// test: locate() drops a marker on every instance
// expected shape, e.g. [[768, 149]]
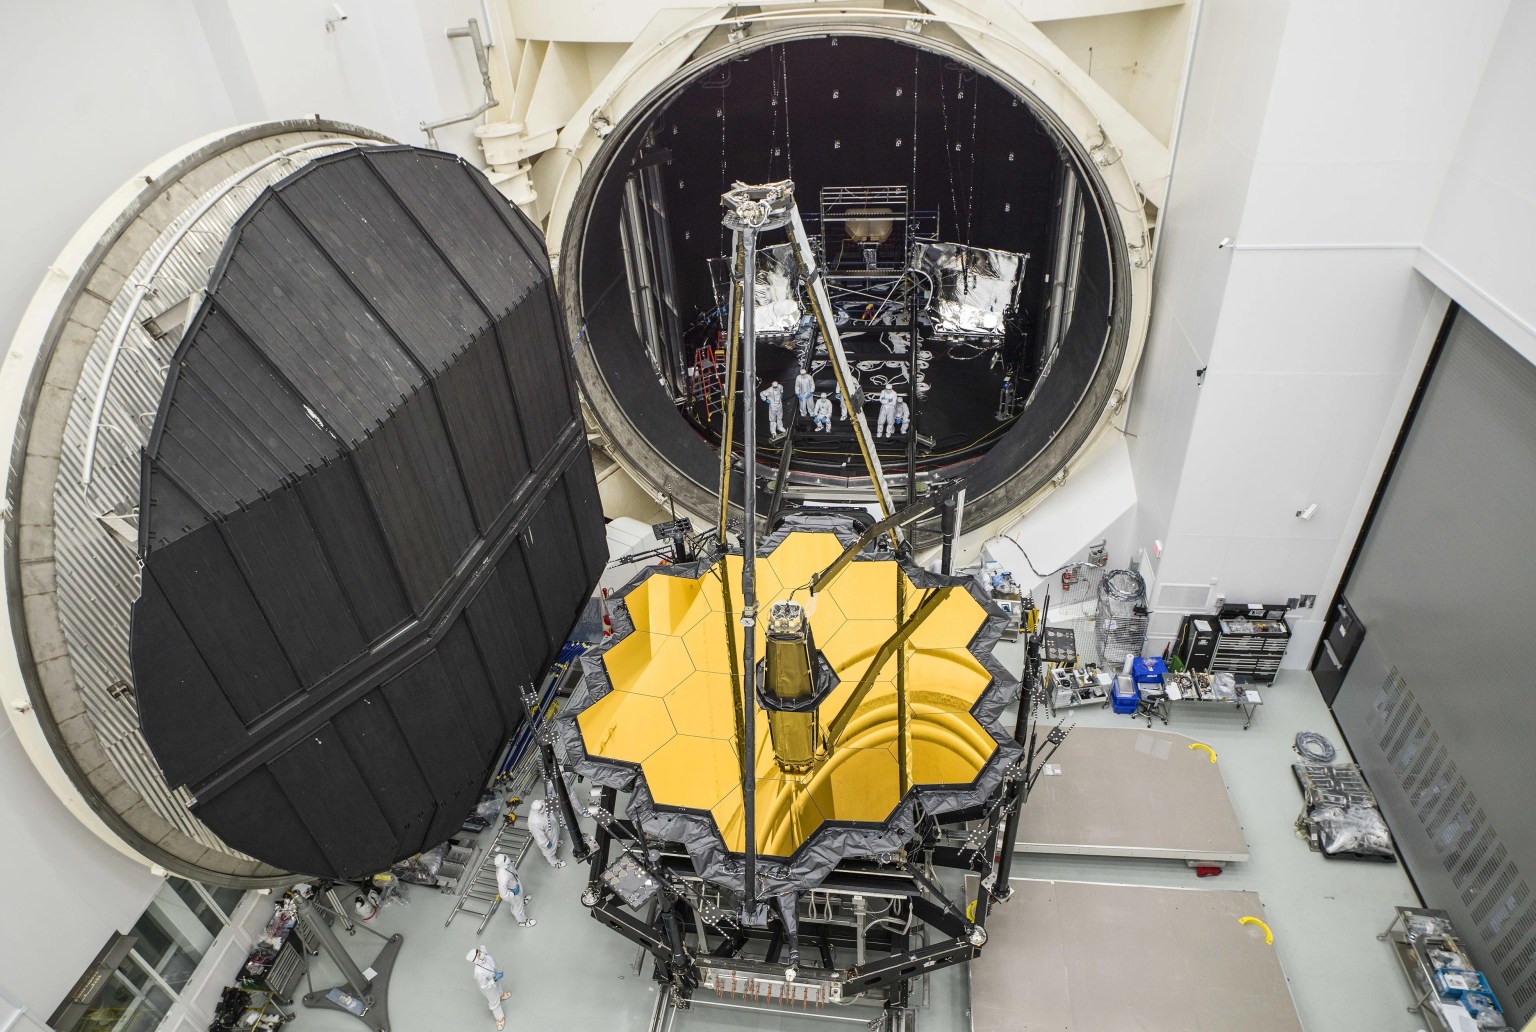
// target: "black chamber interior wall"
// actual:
[[999, 189], [853, 113]]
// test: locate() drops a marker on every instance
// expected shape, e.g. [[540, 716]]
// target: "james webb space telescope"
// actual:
[[880, 259], [804, 729]]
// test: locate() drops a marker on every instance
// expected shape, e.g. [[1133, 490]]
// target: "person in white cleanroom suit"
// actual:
[[888, 400], [511, 888], [842, 404], [545, 831], [488, 978], [903, 413], [822, 410], [773, 394], [805, 390]]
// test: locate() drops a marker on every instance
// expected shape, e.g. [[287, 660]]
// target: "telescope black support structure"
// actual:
[[694, 936], [1020, 788], [748, 575], [949, 525], [554, 781]]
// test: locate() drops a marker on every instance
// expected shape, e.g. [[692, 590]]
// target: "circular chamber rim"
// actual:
[[649, 465]]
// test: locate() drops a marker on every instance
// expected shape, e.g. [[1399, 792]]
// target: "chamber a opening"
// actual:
[[964, 242]]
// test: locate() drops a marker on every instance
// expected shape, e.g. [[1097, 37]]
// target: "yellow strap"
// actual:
[[1202, 745], [1269, 936], [970, 911]]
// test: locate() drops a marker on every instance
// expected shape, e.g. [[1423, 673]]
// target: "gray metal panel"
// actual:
[[1437, 706], [1129, 792], [1079, 957]]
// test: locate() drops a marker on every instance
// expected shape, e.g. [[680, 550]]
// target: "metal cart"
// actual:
[[1418, 936]]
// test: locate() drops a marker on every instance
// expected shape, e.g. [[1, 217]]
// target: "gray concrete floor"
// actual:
[[568, 973]]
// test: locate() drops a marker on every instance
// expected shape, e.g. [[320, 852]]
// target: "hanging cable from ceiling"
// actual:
[[775, 146], [949, 147], [970, 201], [964, 220], [789, 151], [917, 56], [724, 163]]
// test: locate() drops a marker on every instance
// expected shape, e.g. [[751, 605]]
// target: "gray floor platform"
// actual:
[[1084, 957], [1133, 792]]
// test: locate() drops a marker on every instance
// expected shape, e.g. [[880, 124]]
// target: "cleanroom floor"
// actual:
[[568, 972]]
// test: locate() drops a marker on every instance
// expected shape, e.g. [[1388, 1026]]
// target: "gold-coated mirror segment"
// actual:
[[855, 643], [795, 566], [701, 705], [952, 670], [672, 707], [948, 749], [625, 727], [691, 772], [859, 784], [648, 664], [667, 604], [952, 625], [866, 590], [949, 746], [825, 617], [706, 643]]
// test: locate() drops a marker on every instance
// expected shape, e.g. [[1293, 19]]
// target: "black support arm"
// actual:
[[905, 966]]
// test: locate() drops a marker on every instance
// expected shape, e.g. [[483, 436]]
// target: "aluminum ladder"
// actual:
[[479, 894]]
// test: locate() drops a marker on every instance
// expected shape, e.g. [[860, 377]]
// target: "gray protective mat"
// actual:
[[1132, 792], [1080, 957]]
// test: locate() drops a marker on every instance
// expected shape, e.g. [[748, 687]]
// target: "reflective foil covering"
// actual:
[[974, 288], [659, 716], [778, 307]]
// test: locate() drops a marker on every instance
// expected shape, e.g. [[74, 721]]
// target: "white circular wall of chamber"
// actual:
[[99, 336], [970, 153]]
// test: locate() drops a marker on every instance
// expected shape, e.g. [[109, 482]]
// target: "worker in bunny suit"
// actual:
[[510, 887], [773, 394], [545, 831], [822, 411], [888, 400], [805, 391], [488, 978]]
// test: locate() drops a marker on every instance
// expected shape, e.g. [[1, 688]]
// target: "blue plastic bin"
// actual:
[[1477, 1003], [1124, 696], [1149, 669]]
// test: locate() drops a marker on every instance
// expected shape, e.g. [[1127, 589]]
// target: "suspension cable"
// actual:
[[970, 201], [789, 151], [917, 56], [949, 165]]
